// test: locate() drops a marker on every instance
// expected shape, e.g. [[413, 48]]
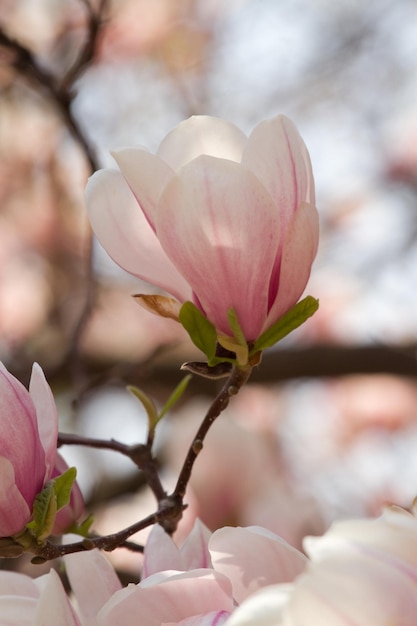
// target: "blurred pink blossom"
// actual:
[[215, 217], [362, 572]]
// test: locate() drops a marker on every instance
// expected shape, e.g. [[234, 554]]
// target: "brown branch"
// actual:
[[139, 454], [236, 380]]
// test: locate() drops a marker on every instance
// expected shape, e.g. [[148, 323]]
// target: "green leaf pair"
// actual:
[[203, 333], [53, 497]]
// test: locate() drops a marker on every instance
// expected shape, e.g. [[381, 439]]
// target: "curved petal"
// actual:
[[122, 229], [194, 550], [355, 591], [253, 558], [221, 229], [277, 155], [93, 581], [147, 176], [179, 596], [53, 606], [263, 608], [47, 416], [160, 553], [14, 510], [202, 134], [20, 442], [299, 251], [388, 536]]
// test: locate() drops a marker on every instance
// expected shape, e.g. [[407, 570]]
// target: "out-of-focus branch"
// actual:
[[61, 93]]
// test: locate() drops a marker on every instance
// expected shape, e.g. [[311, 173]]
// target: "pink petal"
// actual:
[[93, 580], [17, 612], [147, 176], [356, 591], [47, 416], [20, 442], [160, 553], [124, 232], [178, 597], [253, 558], [215, 618], [202, 134], [194, 551], [15, 584], [53, 606], [278, 156], [14, 510], [299, 250], [221, 229], [264, 608]]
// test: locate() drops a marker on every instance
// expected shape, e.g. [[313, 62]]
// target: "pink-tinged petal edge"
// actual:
[[299, 251], [226, 256], [263, 557], [92, 578], [179, 596], [47, 415], [53, 606], [122, 229], [21, 442], [277, 155], [160, 553]]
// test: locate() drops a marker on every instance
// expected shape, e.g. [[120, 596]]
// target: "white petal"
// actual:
[[47, 415], [122, 229], [202, 134], [147, 176]]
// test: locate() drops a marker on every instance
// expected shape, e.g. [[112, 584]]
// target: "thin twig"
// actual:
[[140, 454]]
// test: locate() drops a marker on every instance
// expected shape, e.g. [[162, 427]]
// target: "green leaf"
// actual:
[[174, 397], [55, 495], [236, 328], [44, 512], [62, 486], [202, 332], [287, 323], [82, 529], [148, 404]]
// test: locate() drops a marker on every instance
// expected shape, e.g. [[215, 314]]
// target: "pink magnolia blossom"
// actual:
[[362, 573], [28, 449], [215, 218], [214, 574]]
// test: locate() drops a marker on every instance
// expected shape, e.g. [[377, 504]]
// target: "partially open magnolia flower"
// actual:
[[215, 218], [28, 455]]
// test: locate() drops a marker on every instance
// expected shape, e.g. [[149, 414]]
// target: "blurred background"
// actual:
[[328, 426]]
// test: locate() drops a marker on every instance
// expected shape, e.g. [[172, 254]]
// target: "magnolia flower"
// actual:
[[28, 449], [361, 573], [215, 218], [198, 584]]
